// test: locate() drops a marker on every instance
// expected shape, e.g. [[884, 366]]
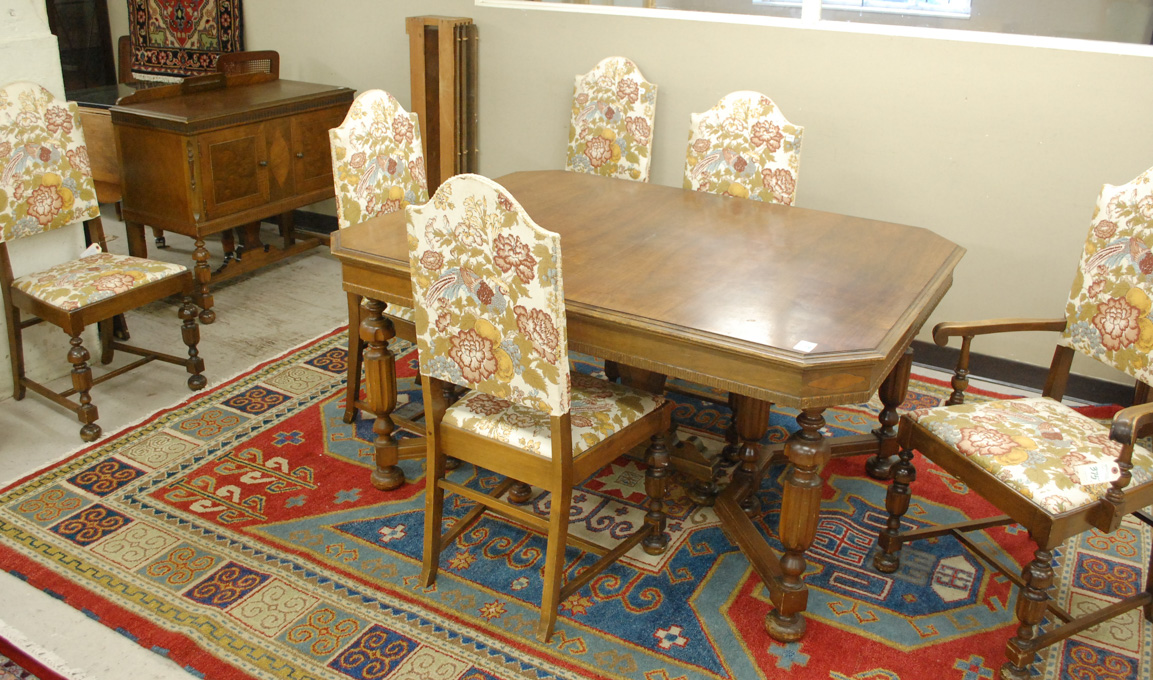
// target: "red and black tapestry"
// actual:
[[181, 38]]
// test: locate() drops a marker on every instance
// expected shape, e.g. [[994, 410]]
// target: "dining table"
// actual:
[[773, 304]]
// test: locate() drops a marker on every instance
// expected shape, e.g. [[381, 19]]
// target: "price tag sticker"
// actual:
[[805, 346], [1097, 473]]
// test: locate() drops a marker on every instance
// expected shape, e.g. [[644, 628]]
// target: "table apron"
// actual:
[[713, 365]]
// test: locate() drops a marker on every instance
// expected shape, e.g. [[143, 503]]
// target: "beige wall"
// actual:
[[1000, 148], [28, 51]]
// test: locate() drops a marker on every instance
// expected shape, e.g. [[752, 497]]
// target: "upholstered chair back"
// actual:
[[1108, 312], [745, 147], [377, 161], [613, 112], [488, 297], [45, 178]]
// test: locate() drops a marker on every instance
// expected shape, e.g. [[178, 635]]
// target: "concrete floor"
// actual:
[[259, 316]]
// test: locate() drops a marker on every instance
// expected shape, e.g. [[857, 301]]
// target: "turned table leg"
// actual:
[[752, 422], [808, 451], [380, 385], [892, 393]]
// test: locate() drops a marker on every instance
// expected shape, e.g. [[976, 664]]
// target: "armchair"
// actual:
[[1050, 469]]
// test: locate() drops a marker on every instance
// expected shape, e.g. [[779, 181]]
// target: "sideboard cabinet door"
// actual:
[[312, 158], [234, 169]]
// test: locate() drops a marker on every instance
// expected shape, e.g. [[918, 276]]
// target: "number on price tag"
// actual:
[[1097, 473]]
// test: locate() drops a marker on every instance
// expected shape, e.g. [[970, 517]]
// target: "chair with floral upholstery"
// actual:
[[744, 147], [490, 317], [1047, 467], [378, 168], [45, 184], [613, 111]]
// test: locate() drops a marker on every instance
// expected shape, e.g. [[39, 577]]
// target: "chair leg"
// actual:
[[657, 456], [16, 352], [732, 448], [519, 493], [1031, 605], [612, 370], [433, 518], [106, 332], [888, 558], [354, 360], [82, 382], [158, 234], [558, 519], [190, 331], [1149, 588]]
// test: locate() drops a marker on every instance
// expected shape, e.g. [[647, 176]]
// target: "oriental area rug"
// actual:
[[174, 39], [238, 534]]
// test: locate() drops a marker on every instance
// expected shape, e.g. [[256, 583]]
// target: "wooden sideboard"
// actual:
[[217, 152]]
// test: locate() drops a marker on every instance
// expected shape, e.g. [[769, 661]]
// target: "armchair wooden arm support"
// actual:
[[1131, 424], [967, 330]]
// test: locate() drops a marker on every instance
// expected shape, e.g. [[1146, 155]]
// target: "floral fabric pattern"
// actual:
[[83, 281], [45, 179], [744, 147], [613, 112], [377, 164], [1034, 446], [377, 161], [489, 303], [1108, 312], [599, 410]]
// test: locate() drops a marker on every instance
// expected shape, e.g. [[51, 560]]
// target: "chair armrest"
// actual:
[[1131, 424], [947, 329], [968, 330]]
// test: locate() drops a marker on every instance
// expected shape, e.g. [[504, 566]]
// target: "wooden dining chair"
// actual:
[[744, 147], [1050, 469], [378, 168], [46, 184], [490, 316], [613, 112]]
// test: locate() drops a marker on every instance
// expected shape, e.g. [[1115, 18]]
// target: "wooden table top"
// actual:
[[719, 290]]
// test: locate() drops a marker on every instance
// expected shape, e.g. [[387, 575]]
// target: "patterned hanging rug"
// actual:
[[174, 39], [238, 534]]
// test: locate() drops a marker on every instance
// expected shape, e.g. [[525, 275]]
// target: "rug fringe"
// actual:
[[38, 654]]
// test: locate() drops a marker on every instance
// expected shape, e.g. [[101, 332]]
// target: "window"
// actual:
[[1120, 21], [944, 8]]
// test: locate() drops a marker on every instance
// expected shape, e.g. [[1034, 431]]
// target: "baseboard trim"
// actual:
[[1094, 390], [316, 224]]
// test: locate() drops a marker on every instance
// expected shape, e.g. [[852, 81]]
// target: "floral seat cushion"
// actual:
[[77, 283], [598, 410], [1034, 446]]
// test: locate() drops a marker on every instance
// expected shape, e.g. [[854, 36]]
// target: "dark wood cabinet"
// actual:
[[219, 152]]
